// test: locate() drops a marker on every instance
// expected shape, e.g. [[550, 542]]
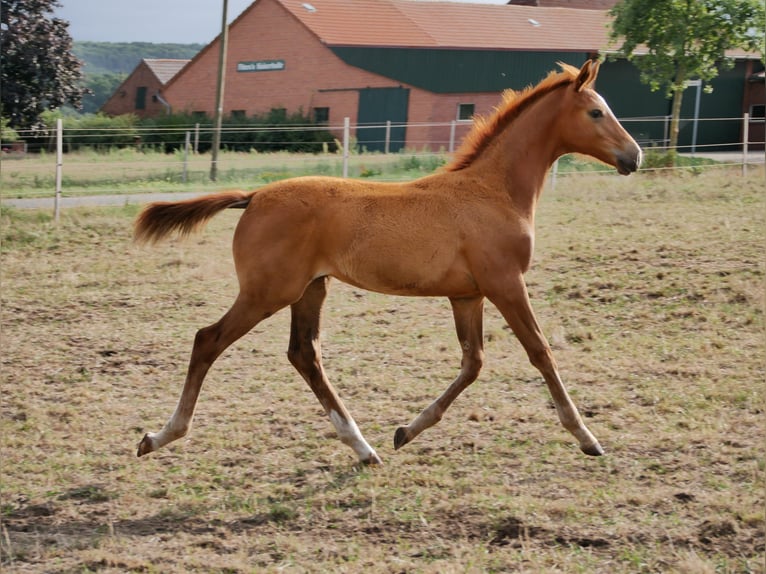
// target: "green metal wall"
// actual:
[[456, 71], [376, 106], [724, 102], [445, 71], [620, 84]]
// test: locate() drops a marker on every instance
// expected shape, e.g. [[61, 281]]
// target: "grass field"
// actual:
[[650, 289], [127, 170]]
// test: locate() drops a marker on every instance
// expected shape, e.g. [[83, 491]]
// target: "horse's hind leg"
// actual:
[[305, 354], [209, 343], [468, 315]]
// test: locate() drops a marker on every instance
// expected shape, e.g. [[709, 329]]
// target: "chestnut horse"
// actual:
[[466, 233]]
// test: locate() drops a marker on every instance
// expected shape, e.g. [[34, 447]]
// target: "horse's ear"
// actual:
[[587, 75]]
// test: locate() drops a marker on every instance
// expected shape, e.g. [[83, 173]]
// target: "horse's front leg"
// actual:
[[513, 303], [305, 354], [468, 314]]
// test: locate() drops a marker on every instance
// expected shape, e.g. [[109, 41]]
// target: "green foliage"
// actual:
[[422, 163], [37, 68], [100, 132], [273, 131], [100, 88], [7, 133], [671, 41]]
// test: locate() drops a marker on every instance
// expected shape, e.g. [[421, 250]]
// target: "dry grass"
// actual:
[[119, 171], [651, 291]]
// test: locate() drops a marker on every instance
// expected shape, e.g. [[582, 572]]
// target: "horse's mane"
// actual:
[[485, 129]]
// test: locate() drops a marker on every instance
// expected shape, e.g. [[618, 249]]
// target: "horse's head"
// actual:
[[589, 127]]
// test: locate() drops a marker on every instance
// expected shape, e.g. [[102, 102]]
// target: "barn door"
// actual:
[[376, 107]]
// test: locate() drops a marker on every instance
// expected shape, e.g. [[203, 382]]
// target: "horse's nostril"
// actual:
[[627, 165]]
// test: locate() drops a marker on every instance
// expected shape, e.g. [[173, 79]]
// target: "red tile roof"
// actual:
[[404, 23], [165, 68]]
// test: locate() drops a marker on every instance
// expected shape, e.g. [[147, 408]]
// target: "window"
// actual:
[[321, 115], [465, 112], [757, 111], [141, 98], [277, 114], [199, 116], [238, 114]]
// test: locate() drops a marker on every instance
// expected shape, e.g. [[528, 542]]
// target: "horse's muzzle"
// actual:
[[628, 163]]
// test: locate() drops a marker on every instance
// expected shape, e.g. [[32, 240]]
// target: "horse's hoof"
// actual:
[[372, 460], [400, 438], [593, 449], [145, 446]]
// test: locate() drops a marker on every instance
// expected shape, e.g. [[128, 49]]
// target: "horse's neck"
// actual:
[[520, 156]]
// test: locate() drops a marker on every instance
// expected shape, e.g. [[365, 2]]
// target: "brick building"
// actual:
[[141, 92], [379, 60], [425, 64]]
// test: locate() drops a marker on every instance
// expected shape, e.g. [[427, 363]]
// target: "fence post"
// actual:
[[554, 173], [59, 167], [452, 126], [388, 136], [745, 138], [186, 156], [196, 139], [346, 130]]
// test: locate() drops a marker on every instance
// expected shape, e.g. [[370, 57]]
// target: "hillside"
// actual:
[[121, 58]]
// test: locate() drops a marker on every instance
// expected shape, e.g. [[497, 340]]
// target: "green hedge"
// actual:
[[274, 131]]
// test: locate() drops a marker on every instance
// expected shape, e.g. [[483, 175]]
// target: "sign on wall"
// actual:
[[261, 66]]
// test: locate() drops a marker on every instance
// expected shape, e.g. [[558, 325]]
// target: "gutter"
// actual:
[[164, 102]]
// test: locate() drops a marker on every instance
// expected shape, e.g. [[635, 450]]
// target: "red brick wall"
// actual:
[[755, 94], [123, 101], [268, 32]]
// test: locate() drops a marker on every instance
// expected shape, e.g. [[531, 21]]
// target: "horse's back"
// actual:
[[392, 238]]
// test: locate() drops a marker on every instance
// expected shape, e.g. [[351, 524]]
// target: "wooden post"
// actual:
[[388, 136], [186, 156], [224, 40], [196, 139], [745, 138], [346, 135], [554, 173], [452, 126], [59, 167]]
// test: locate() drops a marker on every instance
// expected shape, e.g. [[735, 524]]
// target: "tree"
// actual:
[[673, 41], [39, 71], [101, 88]]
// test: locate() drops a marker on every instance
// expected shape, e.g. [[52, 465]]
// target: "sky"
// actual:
[[158, 21]]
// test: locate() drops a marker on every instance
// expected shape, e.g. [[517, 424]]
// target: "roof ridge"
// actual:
[[413, 21]]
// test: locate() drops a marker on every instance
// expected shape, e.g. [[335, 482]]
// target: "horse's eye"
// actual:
[[596, 113]]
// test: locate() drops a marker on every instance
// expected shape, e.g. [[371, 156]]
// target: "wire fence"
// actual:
[[99, 161]]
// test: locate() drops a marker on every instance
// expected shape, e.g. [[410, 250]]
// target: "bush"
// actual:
[[100, 132], [7, 133], [274, 131], [658, 159]]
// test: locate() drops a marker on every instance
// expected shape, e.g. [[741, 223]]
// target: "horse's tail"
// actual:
[[157, 220]]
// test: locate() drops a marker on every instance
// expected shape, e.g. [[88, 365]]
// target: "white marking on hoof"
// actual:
[[349, 434]]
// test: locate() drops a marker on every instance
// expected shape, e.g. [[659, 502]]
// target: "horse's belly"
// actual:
[[408, 273]]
